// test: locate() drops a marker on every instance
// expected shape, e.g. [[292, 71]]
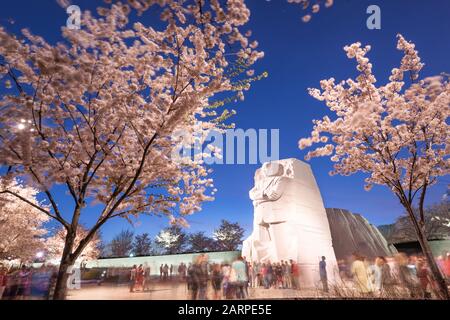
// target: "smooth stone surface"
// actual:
[[290, 221], [351, 232]]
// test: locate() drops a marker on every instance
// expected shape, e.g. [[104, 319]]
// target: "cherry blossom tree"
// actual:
[[96, 112], [21, 224], [397, 133], [55, 245]]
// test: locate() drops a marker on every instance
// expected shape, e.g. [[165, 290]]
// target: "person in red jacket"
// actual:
[[295, 273], [447, 265], [3, 273]]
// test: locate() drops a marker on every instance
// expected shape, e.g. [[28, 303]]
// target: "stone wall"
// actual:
[[351, 232], [154, 262]]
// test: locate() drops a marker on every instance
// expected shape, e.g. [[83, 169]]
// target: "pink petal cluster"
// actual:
[[96, 112], [398, 133], [312, 6], [21, 224], [54, 245]]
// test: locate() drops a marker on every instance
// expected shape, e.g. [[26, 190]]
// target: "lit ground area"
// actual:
[[174, 291]]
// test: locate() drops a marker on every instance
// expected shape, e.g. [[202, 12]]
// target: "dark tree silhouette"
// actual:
[[122, 244], [436, 221], [228, 236], [142, 245], [199, 242]]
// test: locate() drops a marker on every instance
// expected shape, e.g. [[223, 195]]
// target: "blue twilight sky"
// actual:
[[297, 56]]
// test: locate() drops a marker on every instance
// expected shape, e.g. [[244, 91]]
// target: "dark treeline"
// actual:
[[174, 240]]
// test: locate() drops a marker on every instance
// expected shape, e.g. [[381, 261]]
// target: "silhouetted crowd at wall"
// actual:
[[398, 276]]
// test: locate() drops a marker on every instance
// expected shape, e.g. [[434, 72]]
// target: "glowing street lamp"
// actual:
[[23, 124], [24, 129]]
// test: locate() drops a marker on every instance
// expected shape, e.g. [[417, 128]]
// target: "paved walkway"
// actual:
[[175, 291]]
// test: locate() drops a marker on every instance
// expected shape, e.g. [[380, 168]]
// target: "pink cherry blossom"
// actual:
[[397, 133], [96, 112], [21, 221], [55, 245], [312, 7]]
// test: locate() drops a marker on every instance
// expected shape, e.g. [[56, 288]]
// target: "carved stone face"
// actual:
[[264, 177], [273, 169]]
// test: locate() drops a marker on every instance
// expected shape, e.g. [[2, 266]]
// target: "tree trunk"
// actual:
[[67, 260], [61, 281], [442, 290]]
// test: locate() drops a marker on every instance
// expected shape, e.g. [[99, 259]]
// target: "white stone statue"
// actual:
[[290, 221]]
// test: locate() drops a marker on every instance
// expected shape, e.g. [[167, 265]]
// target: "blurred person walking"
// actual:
[[147, 277], [182, 270], [423, 274], [140, 277], [226, 272], [251, 274], [165, 272], [407, 275], [189, 272], [257, 274], [198, 275], [216, 280], [12, 283], [268, 275], [447, 265], [132, 283], [359, 273], [323, 274], [247, 273], [295, 274], [194, 278], [376, 274], [41, 282], [279, 275], [24, 283], [239, 271], [287, 275], [203, 277], [263, 271], [387, 280], [3, 275]]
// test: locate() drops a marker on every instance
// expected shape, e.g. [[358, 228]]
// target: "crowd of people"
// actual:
[[396, 276], [392, 276], [227, 280], [233, 280], [140, 278], [27, 283]]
